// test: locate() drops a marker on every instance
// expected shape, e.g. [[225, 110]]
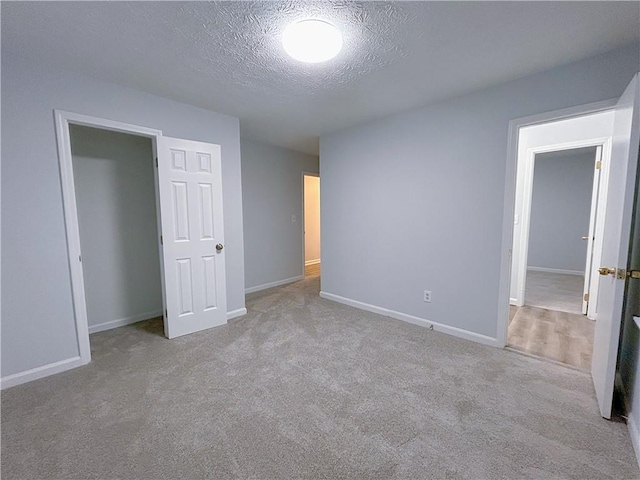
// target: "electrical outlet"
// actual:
[[427, 296]]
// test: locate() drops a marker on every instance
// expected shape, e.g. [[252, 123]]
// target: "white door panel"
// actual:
[[190, 182], [591, 279], [615, 244]]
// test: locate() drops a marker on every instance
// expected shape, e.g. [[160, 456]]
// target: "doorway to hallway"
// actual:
[[311, 224], [558, 226]]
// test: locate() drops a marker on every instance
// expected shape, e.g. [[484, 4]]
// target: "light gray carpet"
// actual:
[[554, 291], [305, 388]]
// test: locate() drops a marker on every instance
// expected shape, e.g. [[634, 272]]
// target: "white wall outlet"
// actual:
[[427, 296], [293, 218]]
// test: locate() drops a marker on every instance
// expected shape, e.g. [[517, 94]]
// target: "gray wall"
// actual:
[[560, 208], [415, 201], [115, 196], [271, 194], [37, 313]]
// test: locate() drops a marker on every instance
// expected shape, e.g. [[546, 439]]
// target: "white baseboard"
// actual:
[[40, 372], [556, 270], [121, 322], [273, 284], [438, 327], [311, 262], [632, 426], [74, 362], [236, 313], [634, 431]]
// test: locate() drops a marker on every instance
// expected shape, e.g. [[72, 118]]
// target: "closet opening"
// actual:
[[117, 213]]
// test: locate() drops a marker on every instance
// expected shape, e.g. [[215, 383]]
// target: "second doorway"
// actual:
[[311, 224]]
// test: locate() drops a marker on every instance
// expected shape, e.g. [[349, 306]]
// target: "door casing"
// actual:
[[509, 199], [526, 185], [62, 121]]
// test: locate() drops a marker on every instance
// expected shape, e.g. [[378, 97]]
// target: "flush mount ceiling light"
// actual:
[[312, 41]]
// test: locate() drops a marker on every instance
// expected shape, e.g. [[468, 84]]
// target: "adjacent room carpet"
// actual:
[[302, 387], [554, 291]]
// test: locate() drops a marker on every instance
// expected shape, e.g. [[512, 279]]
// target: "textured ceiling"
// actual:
[[227, 56]]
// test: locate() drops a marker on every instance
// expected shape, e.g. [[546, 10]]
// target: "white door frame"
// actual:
[[591, 279], [62, 121], [510, 194], [527, 163], [304, 246]]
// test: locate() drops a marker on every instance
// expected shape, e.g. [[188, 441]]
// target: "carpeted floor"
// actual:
[[305, 388], [554, 291]]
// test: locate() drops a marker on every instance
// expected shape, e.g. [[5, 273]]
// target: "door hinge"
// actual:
[[633, 274], [622, 273], [586, 297], [80, 258], [156, 162], [598, 164], [161, 241], [166, 313]]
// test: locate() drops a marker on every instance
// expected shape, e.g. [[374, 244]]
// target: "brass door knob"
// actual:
[[607, 271], [219, 247]]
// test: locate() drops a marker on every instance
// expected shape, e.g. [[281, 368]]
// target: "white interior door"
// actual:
[[615, 246], [589, 278], [190, 184]]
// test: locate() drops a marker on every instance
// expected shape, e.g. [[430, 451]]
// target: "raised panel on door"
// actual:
[[185, 287], [205, 193], [180, 212], [189, 177], [210, 282]]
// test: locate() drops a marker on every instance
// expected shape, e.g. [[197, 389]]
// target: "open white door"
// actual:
[[590, 280], [190, 184], [615, 244]]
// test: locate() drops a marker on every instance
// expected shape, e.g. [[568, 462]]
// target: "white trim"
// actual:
[[556, 270], [121, 322], [565, 113], [509, 198], [236, 313], [525, 184], [634, 432], [62, 120], [422, 322], [512, 301], [312, 262], [264, 286], [41, 372], [590, 279]]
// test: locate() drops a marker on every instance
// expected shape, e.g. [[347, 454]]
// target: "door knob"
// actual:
[[607, 271], [585, 238], [219, 247]]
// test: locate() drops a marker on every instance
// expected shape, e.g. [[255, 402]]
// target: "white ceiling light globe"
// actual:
[[312, 41]]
